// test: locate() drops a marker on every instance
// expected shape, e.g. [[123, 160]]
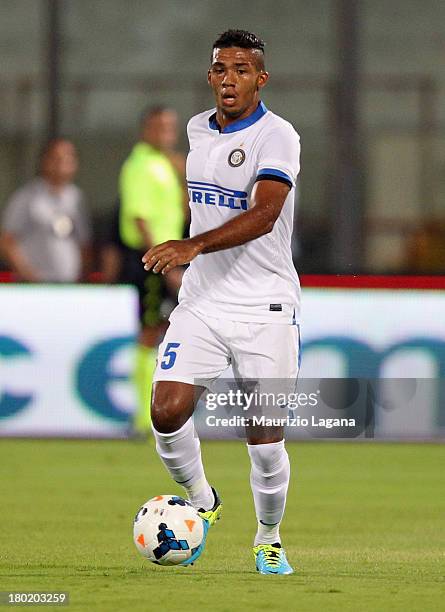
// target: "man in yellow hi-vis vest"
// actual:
[[151, 211]]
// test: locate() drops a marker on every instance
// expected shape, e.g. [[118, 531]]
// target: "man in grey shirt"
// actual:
[[45, 230]]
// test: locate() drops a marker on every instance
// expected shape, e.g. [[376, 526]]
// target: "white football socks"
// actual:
[[269, 479], [180, 452]]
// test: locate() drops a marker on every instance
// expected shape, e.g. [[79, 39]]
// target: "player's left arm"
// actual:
[[266, 201]]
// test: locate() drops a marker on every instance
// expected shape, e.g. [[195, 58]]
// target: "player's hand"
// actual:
[[163, 257]]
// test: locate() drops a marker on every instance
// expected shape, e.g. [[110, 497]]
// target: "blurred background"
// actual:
[[362, 81]]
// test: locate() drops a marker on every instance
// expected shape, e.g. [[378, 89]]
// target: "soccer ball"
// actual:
[[168, 530]]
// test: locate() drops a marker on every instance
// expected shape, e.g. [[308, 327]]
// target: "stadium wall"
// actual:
[[65, 358]]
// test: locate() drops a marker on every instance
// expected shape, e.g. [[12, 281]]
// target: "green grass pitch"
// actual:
[[364, 528]]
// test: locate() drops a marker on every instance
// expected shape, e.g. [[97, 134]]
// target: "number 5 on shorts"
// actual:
[[170, 355]]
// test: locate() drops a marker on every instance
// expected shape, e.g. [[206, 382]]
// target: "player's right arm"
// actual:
[[278, 167], [266, 202]]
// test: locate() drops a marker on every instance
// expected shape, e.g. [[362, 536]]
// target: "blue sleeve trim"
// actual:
[[274, 175], [271, 172]]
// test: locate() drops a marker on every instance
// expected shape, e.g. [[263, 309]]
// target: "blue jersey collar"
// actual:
[[241, 123]]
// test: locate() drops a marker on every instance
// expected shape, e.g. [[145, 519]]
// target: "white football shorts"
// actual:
[[197, 348]]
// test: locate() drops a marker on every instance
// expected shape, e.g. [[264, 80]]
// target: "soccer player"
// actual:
[[239, 300]]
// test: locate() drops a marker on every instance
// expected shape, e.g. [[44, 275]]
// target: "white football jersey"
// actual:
[[257, 281]]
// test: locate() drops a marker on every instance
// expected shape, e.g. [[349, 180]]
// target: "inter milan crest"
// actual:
[[236, 158]]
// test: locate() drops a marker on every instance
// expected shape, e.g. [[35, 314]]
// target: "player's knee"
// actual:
[[167, 412], [268, 458]]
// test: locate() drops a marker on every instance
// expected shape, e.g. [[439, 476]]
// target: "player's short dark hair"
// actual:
[[240, 38]]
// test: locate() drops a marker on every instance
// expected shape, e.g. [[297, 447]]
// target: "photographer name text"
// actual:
[[263, 421]]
